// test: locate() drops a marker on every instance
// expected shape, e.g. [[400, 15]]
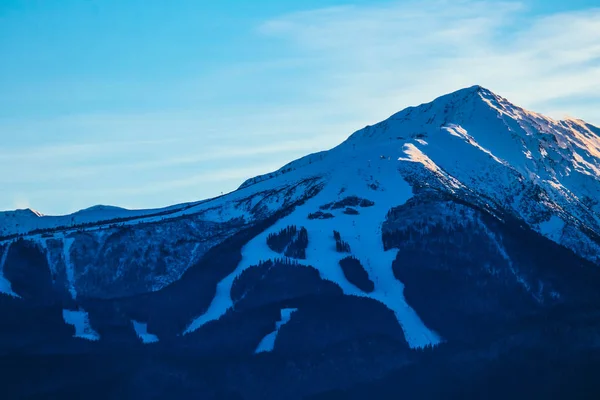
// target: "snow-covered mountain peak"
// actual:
[[461, 100], [477, 142]]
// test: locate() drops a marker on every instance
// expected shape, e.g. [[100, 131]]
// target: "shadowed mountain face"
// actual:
[[457, 242]]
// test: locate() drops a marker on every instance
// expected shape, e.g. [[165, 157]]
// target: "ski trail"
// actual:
[[69, 268], [267, 344], [5, 285], [362, 232]]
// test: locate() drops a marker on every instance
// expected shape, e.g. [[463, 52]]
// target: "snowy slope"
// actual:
[[350, 173], [156, 248], [247, 204]]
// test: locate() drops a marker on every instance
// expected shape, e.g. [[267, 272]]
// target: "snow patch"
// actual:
[[35, 212], [417, 156], [552, 228], [141, 329], [267, 344], [81, 321], [458, 131], [69, 268], [5, 285]]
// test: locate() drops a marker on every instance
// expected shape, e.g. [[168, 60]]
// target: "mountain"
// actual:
[[454, 240]]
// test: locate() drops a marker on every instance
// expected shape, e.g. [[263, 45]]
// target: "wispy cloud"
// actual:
[[162, 190], [377, 58], [238, 175], [60, 163]]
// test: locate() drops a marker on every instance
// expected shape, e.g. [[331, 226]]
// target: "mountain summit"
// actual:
[[454, 234]]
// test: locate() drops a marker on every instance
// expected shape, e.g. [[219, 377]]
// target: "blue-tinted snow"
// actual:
[[80, 320], [141, 329], [268, 342], [70, 270], [5, 286]]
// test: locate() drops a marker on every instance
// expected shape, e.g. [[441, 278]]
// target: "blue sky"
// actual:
[[149, 103]]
